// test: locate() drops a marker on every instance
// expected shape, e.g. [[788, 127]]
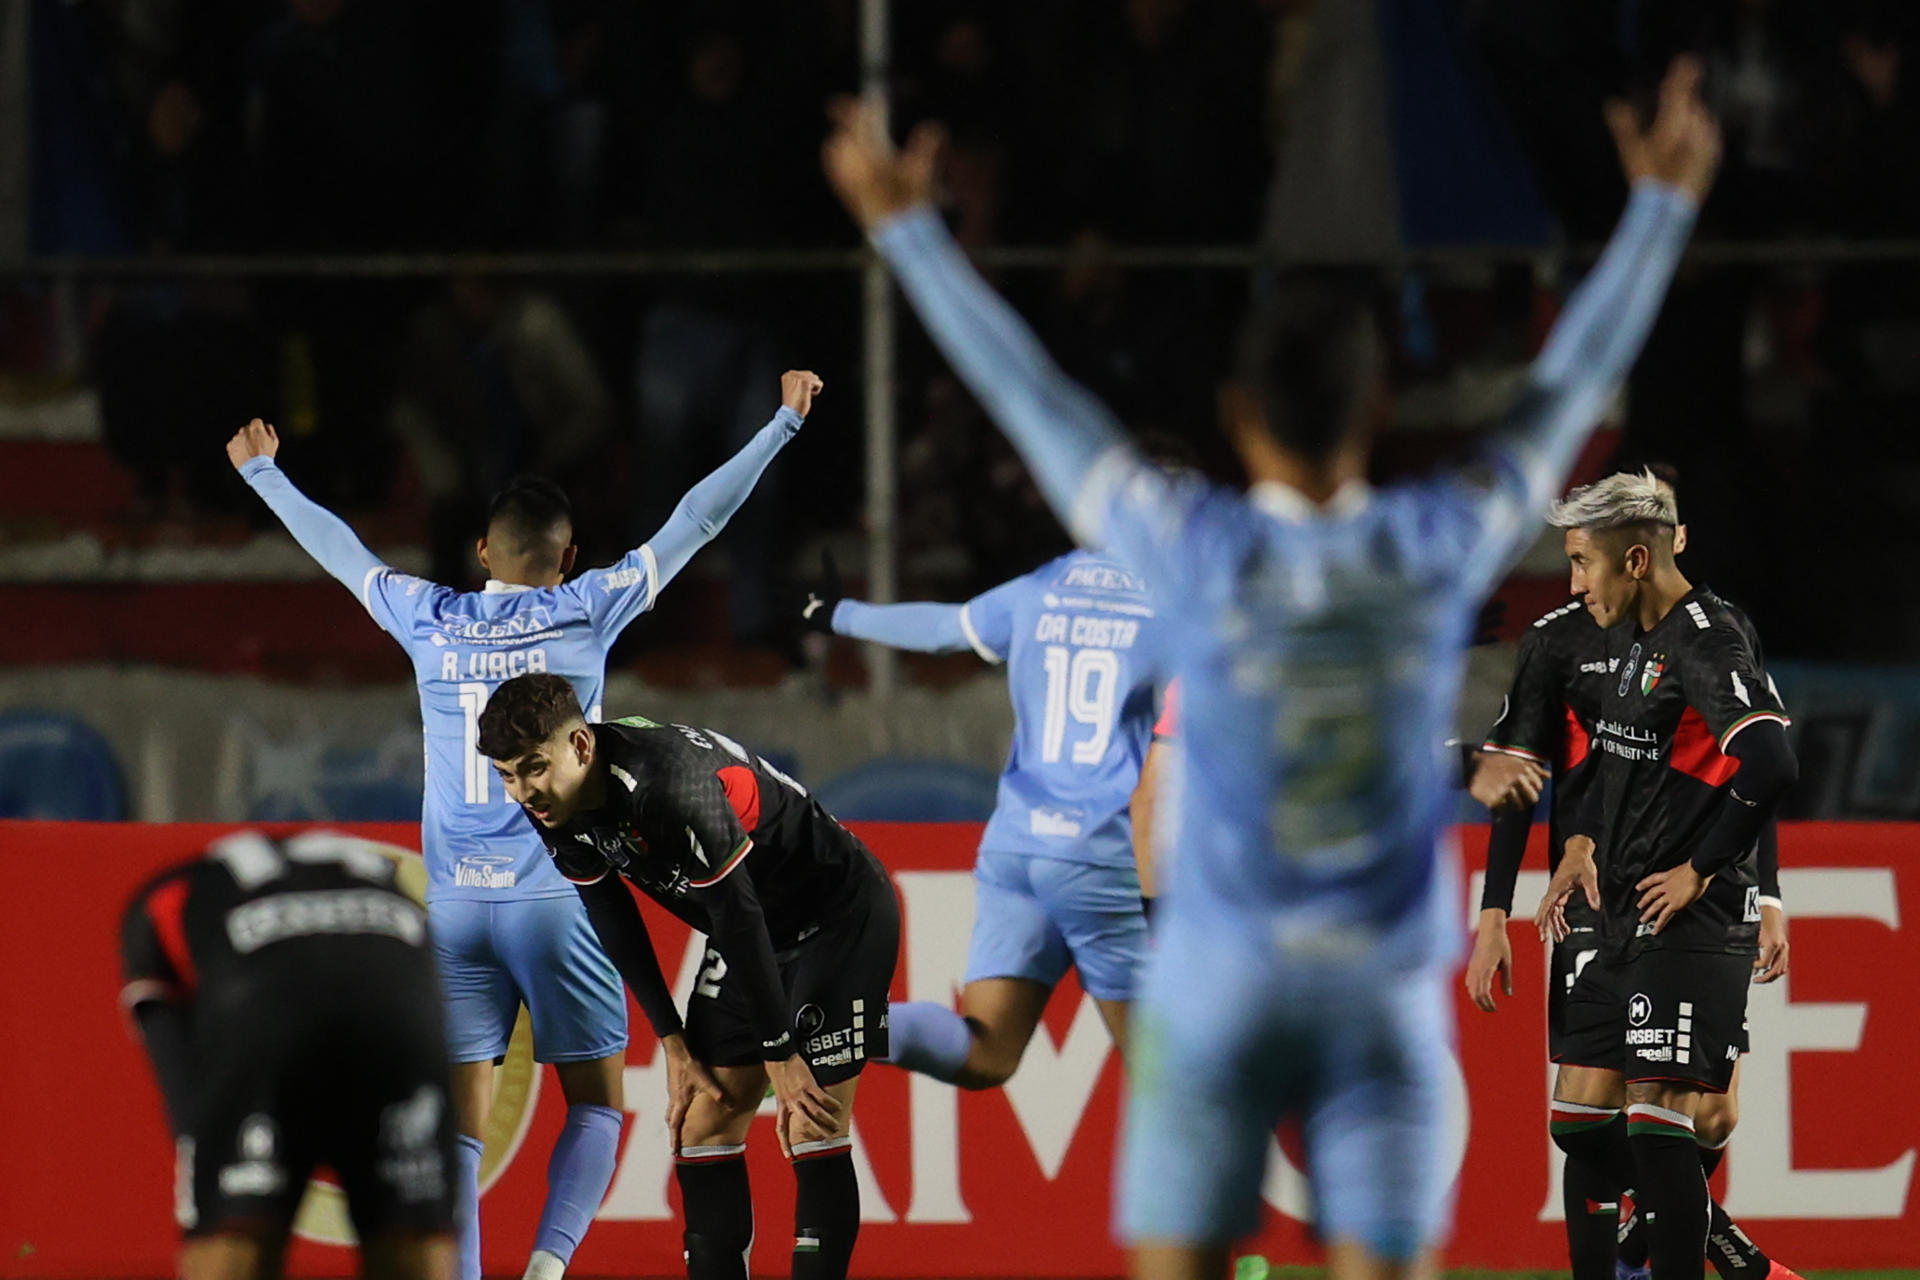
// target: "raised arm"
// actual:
[[707, 507], [983, 624], [320, 533], [1060, 429], [1670, 166]]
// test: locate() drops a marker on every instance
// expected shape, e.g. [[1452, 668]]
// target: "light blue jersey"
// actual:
[[1077, 638], [1319, 649], [1309, 917], [463, 644]]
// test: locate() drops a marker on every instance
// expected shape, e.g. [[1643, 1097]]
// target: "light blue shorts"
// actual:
[[1033, 917], [1227, 1042], [540, 952]]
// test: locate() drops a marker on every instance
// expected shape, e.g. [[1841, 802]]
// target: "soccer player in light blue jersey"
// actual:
[[1054, 884], [508, 929], [1317, 626]]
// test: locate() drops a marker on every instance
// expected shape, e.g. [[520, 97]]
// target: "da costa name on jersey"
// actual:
[[1086, 632], [492, 664]]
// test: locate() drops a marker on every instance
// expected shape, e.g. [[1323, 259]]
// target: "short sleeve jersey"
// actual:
[[463, 645], [211, 932], [1676, 696], [689, 807], [1550, 711], [1077, 636]]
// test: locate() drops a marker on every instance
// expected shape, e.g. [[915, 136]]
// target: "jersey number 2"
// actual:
[[1082, 683]]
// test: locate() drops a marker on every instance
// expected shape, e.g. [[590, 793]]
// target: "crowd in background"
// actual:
[[326, 126]]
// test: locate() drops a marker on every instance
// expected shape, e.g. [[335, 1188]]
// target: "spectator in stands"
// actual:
[[495, 380]]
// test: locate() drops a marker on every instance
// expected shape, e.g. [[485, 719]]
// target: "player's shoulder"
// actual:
[[1710, 621], [1567, 629], [176, 881]]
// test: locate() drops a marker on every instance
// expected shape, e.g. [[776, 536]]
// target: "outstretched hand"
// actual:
[[1681, 147], [255, 440], [875, 179]]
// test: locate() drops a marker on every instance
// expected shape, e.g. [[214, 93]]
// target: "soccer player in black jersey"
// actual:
[[286, 997], [1548, 718], [1689, 756], [803, 931]]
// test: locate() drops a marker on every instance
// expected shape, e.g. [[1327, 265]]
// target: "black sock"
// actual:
[[1592, 1203], [1597, 1135], [1633, 1240], [826, 1209], [1670, 1190], [718, 1206]]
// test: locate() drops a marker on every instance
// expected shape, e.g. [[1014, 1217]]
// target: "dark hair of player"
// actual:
[[531, 510], [1310, 355], [525, 712]]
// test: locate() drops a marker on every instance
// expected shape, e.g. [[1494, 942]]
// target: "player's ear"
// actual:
[[567, 558], [582, 740], [480, 550], [1639, 561]]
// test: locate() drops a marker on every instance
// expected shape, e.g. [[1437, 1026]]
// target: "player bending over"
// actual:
[[285, 993], [802, 929], [1317, 627], [1054, 883], [1690, 755], [507, 930]]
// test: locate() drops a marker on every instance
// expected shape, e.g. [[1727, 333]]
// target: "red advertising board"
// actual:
[[1009, 1183]]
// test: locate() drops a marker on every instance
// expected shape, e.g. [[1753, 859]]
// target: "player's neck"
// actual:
[[1316, 479], [1664, 588]]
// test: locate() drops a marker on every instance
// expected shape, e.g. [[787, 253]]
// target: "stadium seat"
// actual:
[[345, 786], [911, 791], [56, 767]]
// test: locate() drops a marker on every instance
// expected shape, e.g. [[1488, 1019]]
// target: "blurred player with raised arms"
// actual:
[[1317, 627], [508, 930]]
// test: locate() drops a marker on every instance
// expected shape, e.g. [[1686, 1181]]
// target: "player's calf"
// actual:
[[826, 1205]]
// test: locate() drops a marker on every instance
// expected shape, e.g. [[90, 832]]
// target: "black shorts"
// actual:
[[342, 1065], [1662, 1015], [837, 980], [1575, 952]]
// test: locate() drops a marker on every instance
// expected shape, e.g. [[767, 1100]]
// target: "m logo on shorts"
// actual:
[[1639, 1010], [809, 1020]]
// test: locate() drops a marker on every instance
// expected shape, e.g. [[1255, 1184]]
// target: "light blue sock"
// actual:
[[466, 1206], [929, 1038], [578, 1177]]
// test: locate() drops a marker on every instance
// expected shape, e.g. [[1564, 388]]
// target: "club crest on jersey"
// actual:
[[1651, 673]]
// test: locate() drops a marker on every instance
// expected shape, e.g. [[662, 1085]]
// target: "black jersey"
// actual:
[[1551, 708], [258, 925], [1676, 696], [685, 809], [211, 931]]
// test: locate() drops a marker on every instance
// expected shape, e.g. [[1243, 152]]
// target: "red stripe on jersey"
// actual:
[[1578, 743], [1696, 753], [167, 911], [743, 793]]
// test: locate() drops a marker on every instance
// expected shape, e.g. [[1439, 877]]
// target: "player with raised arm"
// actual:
[[1317, 626], [1054, 882], [508, 930], [285, 994], [802, 928], [1689, 755]]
